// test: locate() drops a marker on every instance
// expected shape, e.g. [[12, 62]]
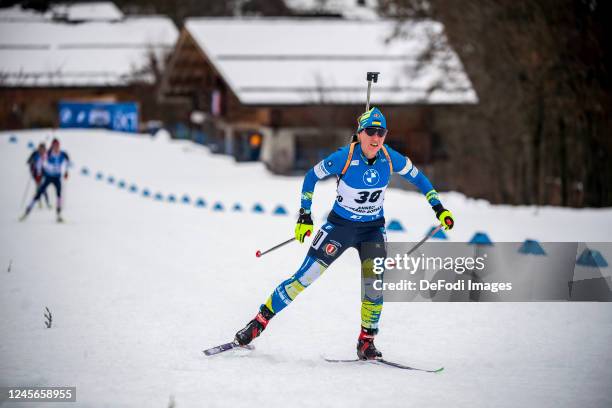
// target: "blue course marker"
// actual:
[[218, 207], [200, 203], [172, 198], [280, 210], [481, 238], [121, 184], [395, 225], [31, 145], [158, 196], [438, 235], [258, 208], [111, 180], [85, 171], [146, 192], [237, 207], [133, 188], [532, 247], [99, 176], [186, 199], [13, 139], [592, 258]]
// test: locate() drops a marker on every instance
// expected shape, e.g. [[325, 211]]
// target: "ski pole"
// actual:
[[421, 242], [25, 193], [260, 254]]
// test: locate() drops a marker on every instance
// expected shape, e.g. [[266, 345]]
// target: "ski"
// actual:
[[225, 347], [405, 367], [381, 361], [334, 360]]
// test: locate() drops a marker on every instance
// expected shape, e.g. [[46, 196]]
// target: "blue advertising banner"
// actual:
[[116, 116]]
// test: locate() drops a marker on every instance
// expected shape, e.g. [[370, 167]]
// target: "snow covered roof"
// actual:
[[48, 53], [96, 11], [16, 13], [304, 61]]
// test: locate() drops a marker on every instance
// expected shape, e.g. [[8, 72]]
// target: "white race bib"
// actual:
[[364, 201]]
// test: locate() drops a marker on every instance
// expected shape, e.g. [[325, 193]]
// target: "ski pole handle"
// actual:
[[259, 254]]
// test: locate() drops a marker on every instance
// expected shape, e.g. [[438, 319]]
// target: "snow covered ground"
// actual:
[[138, 288]]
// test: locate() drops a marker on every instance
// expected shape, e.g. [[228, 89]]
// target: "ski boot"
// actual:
[[366, 350], [59, 218], [254, 327]]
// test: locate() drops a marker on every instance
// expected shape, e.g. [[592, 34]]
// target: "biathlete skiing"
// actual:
[[35, 163], [55, 163], [363, 169]]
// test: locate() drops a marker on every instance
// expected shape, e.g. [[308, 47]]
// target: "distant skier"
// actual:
[[363, 170], [55, 163], [35, 163]]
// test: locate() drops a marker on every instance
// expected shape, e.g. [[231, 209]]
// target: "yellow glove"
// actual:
[[304, 226], [445, 217]]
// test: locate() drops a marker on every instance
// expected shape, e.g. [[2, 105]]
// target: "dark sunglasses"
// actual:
[[371, 131]]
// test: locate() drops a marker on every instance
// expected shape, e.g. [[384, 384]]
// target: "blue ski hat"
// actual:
[[371, 118]]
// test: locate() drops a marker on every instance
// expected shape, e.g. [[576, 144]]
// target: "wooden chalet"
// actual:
[[301, 83], [78, 52]]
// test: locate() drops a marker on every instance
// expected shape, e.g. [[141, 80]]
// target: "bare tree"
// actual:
[[540, 134]]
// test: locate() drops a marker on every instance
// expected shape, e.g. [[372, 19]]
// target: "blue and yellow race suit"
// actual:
[[52, 167], [356, 218]]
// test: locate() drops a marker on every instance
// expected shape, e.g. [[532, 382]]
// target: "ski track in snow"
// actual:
[[139, 288]]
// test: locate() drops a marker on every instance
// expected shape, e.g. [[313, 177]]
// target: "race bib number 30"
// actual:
[[361, 201]]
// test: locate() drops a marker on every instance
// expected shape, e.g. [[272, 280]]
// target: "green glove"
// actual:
[[304, 226], [445, 216]]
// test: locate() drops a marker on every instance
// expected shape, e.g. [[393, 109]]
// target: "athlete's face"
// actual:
[[55, 148], [370, 145]]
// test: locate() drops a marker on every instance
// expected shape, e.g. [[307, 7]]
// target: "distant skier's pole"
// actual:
[[371, 76], [25, 193], [260, 254], [64, 185], [421, 242]]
